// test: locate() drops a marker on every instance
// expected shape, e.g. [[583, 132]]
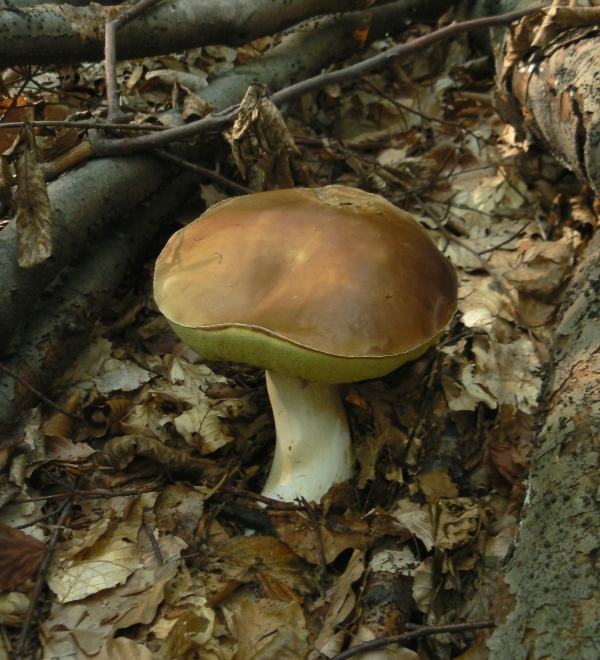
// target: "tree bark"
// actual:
[[51, 34], [548, 603], [82, 202], [63, 320], [554, 600]]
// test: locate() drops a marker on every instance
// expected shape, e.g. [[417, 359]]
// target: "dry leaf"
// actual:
[[13, 607], [20, 556], [342, 603], [260, 136], [123, 649], [101, 564], [270, 629], [437, 484], [458, 522], [337, 533], [423, 585], [34, 215]]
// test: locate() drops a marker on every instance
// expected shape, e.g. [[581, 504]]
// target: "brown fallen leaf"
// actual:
[[260, 136], [34, 215], [337, 533], [20, 556]]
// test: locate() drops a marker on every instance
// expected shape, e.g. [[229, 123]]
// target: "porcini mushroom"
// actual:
[[317, 286]]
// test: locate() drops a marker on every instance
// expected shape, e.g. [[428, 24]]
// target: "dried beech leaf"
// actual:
[[123, 649], [20, 555], [260, 136], [34, 215], [458, 522], [270, 629], [342, 601], [194, 106], [112, 557], [13, 607], [423, 585], [337, 533]]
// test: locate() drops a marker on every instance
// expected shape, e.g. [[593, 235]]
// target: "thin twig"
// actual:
[[209, 174], [510, 239], [88, 494], [321, 549], [100, 125], [218, 121], [44, 516], [406, 108], [110, 54], [373, 644], [39, 583], [15, 98], [41, 396], [270, 502], [157, 553]]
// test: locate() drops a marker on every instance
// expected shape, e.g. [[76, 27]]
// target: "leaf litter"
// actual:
[[442, 444]]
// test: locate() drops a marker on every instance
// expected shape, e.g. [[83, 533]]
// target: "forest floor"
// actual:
[[156, 561]]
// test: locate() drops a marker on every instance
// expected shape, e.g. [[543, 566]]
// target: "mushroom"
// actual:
[[317, 286]]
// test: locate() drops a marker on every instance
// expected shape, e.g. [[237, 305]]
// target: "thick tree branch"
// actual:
[[64, 318], [50, 34], [82, 203], [548, 607]]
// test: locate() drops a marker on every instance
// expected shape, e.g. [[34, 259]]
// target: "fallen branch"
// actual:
[[52, 34], [220, 120], [110, 53], [82, 203], [374, 644], [62, 321]]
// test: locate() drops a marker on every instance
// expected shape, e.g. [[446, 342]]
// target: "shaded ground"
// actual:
[[441, 444]]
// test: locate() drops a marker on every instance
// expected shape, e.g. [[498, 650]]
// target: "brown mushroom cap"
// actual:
[[331, 284]]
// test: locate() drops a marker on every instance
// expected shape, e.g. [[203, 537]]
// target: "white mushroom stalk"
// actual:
[[313, 450]]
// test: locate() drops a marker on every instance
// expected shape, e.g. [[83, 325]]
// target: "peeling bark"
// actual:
[[50, 34], [559, 99], [554, 600], [63, 320]]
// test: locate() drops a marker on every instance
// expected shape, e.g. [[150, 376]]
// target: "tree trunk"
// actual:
[[552, 609], [548, 604]]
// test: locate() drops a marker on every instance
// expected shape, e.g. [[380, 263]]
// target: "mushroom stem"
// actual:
[[313, 449]]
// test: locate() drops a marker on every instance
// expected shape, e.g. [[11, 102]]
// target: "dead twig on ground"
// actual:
[[39, 394], [322, 561], [373, 644]]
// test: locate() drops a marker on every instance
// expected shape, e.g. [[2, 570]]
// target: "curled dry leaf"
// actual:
[[34, 215], [458, 522], [13, 607], [20, 556], [260, 136]]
